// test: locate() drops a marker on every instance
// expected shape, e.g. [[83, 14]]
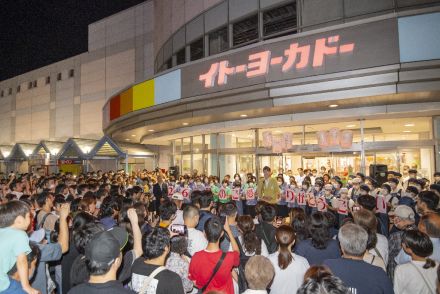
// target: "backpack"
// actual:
[[242, 284], [40, 225]]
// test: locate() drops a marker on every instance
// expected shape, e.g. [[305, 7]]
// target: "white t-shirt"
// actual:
[[196, 241], [382, 247], [179, 218], [408, 279], [288, 280]]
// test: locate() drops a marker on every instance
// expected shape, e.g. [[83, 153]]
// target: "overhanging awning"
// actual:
[[136, 150], [106, 148], [76, 148], [51, 147], [21, 151], [5, 151]]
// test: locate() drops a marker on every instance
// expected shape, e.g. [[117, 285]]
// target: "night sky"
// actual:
[[35, 33]]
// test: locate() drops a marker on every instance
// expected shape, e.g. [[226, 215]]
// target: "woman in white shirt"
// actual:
[[248, 240], [420, 274], [289, 267]]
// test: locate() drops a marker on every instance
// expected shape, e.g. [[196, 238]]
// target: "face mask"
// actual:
[[305, 187], [251, 185], [199, 183], [317, 188], [280, 183], [237, 179], [186, 185], [98, 204], [225, 185]]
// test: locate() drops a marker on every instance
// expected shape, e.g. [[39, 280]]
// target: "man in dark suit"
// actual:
[[160, 192]]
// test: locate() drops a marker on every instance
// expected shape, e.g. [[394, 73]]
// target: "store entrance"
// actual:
[[339, 164]]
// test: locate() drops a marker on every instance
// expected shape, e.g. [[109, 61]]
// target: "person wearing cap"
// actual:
[[177, 198], [354, 192], [342, 204], [396, 188], [103, 258], [404, 219], [412, 175]]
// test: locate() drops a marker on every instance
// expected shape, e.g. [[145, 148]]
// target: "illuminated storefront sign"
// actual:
[[295, 57], [350, 48]]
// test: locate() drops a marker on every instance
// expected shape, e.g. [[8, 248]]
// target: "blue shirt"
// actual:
[[13, 243], [49, 252], [14, 288], [317, 256], [360, 277]]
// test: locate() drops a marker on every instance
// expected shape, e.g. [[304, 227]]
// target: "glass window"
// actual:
[[196, 49], [211, 141], [186, 144], [18, 88], [245, 30], [181, 56], [296, 131], [218, 41], [279, 19], [238, 139], [59, 76], [71, 73], [178, 146], [197, 144], [47, 80], [245, 165], [198, 163], [212, 164], [228, 165], [177, 160], [186, 164]]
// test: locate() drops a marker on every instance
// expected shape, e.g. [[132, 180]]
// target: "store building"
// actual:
[[226, 86], [246, 84]]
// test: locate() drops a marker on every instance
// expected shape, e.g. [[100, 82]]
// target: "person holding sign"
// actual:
[[225, 193], [291, 192], [268, 189], [342, 205], [313, 196], [301, 195], [282, 203], [249, 194], [186, 194], [236, 193]]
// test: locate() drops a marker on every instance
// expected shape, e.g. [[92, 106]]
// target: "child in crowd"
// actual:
[[15, 219]]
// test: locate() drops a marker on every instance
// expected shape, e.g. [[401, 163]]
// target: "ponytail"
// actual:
[[285, 236], [251, 242], [429, 263]]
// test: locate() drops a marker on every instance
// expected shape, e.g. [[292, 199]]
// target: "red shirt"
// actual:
[[202, 266]]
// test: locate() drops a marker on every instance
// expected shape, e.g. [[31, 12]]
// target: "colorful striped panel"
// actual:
[[143, 95], [162, 89], [115, 107], [126, 101]]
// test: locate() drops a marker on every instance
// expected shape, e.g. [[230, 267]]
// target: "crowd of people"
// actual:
[[150, 232]]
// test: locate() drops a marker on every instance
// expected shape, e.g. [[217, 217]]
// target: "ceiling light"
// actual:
[[409, 125], [127, 139], [185, 123], [350, 126], [278, 132], [243, 115], [333, 105], [151, 130], [407, 131], [133, 135]]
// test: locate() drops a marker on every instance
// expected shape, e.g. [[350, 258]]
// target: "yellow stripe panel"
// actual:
[[143, 95], [127, 101]]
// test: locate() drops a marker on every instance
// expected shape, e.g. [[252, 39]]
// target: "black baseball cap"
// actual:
[[106, 246]]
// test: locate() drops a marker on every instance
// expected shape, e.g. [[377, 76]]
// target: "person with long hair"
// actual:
[[248, 240], [289, 267], [419, 275], [320, 246], [298, 221]]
